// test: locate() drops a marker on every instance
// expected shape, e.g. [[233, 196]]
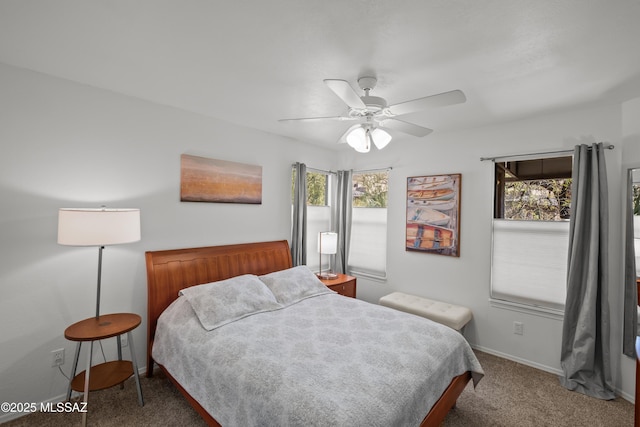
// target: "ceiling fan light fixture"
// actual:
[[380, 138], [358, 140]]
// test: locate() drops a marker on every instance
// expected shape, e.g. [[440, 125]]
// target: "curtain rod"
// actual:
[[315, 169], [482, 159], [373, 170], [355, 171], [320, 170]]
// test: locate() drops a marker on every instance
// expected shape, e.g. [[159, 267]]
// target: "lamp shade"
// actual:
[[358, 140], [98, 227], [361, 137], [380, 138], [327, 242]]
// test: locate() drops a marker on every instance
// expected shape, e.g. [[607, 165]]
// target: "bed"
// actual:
[[301, 357]]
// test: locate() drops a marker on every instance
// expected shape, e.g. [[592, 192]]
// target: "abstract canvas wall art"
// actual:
[[219, 181]]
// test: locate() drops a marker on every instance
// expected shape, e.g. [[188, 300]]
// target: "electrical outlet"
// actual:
[[124, 340], [57, 357], [518, 328]]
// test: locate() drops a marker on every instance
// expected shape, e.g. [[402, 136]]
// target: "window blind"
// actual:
[[368, 248], [318, 219], [529, 262]]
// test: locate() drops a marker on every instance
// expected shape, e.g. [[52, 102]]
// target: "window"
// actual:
[[318, 211], [317, 187], [532, 203], [368, 246]]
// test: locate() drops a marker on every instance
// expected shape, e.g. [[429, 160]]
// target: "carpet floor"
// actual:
[[510, 395]]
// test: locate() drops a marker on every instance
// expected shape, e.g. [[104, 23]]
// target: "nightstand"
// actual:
[[343, 284], [106, 374]]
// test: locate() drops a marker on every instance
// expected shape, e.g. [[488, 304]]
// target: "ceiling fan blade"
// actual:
[[439, 100], [345, 92], [310, 119], [405, 127]]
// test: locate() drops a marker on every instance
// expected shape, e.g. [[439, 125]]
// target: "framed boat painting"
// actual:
[[433, 214]]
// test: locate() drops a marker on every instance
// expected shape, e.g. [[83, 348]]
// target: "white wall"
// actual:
[[69, 145], [466, 280]]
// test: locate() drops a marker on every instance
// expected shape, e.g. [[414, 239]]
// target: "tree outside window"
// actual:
[[538, 200], [317, 188], [533, 190], [370, 189]]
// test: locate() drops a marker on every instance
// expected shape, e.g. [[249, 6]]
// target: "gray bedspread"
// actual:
[[328, 360]]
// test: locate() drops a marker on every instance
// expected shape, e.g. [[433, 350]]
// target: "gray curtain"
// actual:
[[630, 329], [585, 357], [299, 225], [342, 219]]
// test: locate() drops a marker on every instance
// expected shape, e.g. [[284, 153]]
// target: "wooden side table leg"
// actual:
[[74, 368], [135, 368], [86, 384]]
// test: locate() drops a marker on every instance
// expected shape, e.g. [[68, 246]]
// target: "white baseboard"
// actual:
[[526, 362], [626, 396]]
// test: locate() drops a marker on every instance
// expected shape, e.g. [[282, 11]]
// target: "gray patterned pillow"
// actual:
[[294, 284], [226, 301]]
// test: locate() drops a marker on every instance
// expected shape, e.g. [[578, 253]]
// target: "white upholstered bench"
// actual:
[[454, 316]]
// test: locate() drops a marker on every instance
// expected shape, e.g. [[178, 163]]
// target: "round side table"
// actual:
[[106, 374]]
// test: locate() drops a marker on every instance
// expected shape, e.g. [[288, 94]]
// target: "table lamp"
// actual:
[[327, 245], [98, 227]]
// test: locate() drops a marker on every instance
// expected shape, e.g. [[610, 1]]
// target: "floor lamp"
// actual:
[[98, 227], [327, 245]]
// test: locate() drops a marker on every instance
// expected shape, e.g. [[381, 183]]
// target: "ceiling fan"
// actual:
[[374, 115]]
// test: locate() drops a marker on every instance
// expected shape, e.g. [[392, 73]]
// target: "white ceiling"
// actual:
[[253, 62]]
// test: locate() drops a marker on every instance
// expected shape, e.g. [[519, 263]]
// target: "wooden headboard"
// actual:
[[168, 271]]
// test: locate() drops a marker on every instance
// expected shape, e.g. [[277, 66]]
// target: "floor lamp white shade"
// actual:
[[98, 227], [327, 245]]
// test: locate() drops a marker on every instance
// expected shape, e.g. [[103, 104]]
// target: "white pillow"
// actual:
[[226, 301], [294, 284]]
